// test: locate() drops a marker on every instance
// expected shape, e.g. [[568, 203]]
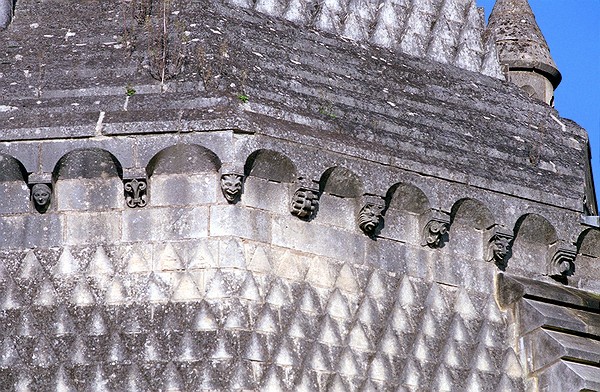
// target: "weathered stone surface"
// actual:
[[91, 194], [240, 222], [183, 189], [16, 199], [198, 292], [164, 224], [92, 228]]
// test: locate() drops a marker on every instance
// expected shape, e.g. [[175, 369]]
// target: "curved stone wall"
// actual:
[[91, 182], [145, 272]]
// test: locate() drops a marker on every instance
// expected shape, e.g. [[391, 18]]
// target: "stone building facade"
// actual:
[[291, 195]]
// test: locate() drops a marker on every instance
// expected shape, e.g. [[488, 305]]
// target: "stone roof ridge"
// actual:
[[519, 40], [447, 31]]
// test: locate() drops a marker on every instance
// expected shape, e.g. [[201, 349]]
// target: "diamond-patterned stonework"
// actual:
[[226, 315]]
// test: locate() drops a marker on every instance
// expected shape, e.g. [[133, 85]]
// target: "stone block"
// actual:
[[31, 231], [12, 231], [160, 224], [267, 195], [43, 230], [456, 269], [401, 226], [89, 194], [390, 256], [236, 220], [467, 242], [317, 239], [419, 261], [535, 314], [26, 153], [15, 198], [183, 189], [92, 228], [338, 211]]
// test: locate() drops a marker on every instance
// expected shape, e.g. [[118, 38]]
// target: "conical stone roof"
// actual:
[[519, 40]]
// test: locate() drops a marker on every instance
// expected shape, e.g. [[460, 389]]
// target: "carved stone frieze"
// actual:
[[304, 202], [231, 186], [436, 230], [41, 194], [135, 193], [370, 216], [562, 264]]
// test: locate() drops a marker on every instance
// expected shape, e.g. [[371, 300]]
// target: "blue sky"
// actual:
[[572, 30]]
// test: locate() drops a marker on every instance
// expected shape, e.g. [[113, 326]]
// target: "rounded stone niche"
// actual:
[[13, 186], [183, 174], [88, 180]]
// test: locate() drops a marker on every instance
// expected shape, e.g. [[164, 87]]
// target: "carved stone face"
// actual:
[[500, 248], [231, 185], [40, 194], [369, 218]]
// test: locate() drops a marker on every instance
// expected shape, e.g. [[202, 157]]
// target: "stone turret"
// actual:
[[522, 49]]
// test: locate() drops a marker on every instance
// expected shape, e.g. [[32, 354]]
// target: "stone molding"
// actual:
[[433, 222], [562, 264]]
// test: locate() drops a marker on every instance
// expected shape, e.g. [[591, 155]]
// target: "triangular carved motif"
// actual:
[[46, 294], [31, 267], [63, 381], [82, 295], [66, 265], [321, 273], [156, 289], [185, 289], [100, 265], [116, 293], [169, 260], [231, 254], [202, 258], [204, 320], [260, 262]]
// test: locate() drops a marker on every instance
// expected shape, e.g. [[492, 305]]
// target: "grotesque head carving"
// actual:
[[369, 218], [41, 194], [231, 185], [500, 248]]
